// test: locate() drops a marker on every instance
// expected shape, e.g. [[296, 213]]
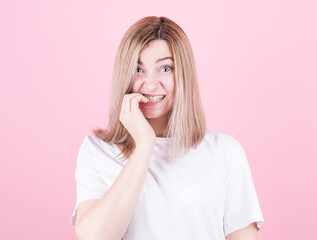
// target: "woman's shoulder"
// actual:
[[225, 141], [90, 141], [95, 144], [230, 148]]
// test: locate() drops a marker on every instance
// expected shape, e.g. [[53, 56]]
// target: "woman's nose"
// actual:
[[151, 82]]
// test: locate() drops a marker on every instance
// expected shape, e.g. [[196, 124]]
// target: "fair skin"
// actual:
[[247, 233], [155, 76], [110, 216], [102, 218]]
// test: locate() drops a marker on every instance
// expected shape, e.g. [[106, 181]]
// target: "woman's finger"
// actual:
[[126, 102], [135, 102]]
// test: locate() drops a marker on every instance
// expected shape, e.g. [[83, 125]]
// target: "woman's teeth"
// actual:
[[155, 99]]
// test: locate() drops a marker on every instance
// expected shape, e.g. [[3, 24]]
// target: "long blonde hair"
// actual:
[[186, 125]]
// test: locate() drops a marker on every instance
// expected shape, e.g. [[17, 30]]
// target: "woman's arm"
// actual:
[[109, 217], [248, 233]]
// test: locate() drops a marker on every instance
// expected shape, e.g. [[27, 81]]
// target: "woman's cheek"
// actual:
[[136, 84]]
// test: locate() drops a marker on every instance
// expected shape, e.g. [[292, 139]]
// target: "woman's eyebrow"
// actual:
[[158, 60]]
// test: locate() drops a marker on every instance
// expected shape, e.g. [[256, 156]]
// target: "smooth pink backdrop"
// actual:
[[256, 64]]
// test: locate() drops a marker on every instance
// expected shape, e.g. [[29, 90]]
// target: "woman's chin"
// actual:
[[154, 113], [151, 116]]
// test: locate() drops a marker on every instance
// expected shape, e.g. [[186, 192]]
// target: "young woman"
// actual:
[[176, 179]]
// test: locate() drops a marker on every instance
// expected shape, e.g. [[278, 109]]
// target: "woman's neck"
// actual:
[[159, 125]]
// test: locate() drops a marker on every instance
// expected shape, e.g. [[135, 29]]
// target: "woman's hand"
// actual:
[[133, 120]]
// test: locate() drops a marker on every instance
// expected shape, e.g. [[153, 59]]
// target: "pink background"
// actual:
[[256, 64]]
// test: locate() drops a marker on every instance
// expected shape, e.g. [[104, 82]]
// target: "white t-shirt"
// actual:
[[207, 195]]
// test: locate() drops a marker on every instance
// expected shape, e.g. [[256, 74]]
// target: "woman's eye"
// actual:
[[168, 68]]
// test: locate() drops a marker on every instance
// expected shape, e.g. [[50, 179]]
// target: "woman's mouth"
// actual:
[[154, 99]]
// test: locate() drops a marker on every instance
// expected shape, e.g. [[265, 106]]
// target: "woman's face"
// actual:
[[155, 77]]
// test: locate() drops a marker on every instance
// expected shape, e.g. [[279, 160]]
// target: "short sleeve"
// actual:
[[89, 184], [241, 203]]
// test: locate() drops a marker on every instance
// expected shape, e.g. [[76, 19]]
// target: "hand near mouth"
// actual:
[[133, 119]]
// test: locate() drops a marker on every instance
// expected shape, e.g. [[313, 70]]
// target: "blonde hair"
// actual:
[[186, 125]]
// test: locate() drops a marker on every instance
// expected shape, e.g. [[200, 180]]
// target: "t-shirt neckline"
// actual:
[[162, 138]]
